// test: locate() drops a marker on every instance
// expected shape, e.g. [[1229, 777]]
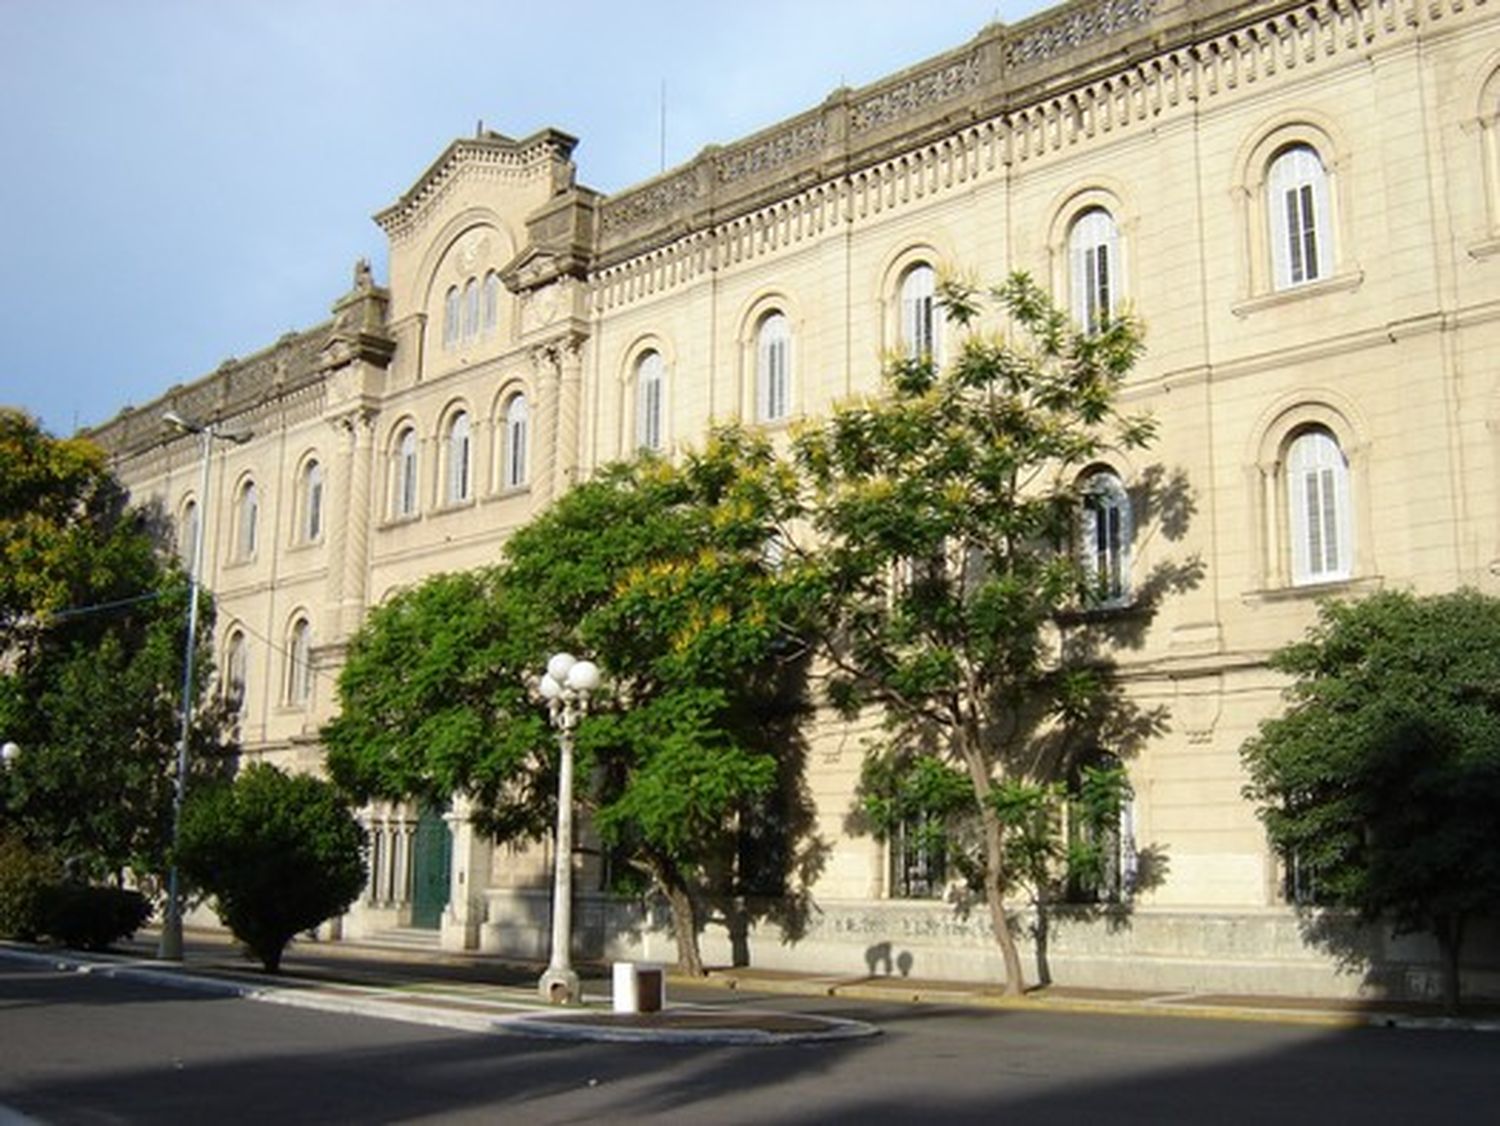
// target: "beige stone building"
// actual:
[[1302, 201]]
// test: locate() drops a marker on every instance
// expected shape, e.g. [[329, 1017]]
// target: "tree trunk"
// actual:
[[1449, 930], [971, 747], [684, 915], [994, 894]]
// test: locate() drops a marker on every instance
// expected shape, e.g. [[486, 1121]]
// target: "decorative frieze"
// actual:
[[770, 153], [646, 203], [1075, 27], [917, 93]]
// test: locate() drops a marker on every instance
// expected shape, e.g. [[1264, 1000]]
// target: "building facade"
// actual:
[[1302, 203]]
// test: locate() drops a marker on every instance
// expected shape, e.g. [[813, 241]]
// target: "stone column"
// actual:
[[358, 516], [467, 907], [569, 414], [558, 368]]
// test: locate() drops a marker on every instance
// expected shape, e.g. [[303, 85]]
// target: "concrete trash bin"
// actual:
[[639, 987]]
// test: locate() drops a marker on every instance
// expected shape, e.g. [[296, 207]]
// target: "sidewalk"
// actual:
[[479, 992]]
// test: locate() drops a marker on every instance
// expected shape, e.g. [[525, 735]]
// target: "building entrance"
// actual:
[[432, 865]]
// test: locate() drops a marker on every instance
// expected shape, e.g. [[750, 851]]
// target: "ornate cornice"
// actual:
[[545, 152], [1074, 75]]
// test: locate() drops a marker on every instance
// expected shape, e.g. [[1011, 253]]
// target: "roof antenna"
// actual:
[[479, 128]]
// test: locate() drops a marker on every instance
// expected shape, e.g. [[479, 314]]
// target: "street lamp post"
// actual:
[[9, 752], [565, 686], [170, 946]]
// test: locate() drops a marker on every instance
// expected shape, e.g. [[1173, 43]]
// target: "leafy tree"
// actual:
[[68, 536], [433, 701], [92, 609], [946, 506], [280, 853], [1381, 780], [664, 573]]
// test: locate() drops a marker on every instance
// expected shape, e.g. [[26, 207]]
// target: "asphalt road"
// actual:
[[84, 1049]]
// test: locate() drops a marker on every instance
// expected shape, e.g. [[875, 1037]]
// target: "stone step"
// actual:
[[405, 938]]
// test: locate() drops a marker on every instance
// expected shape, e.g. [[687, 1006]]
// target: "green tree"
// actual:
[[92, 612], [279, 853], [1380, 781], [664, 572], [946, 507]]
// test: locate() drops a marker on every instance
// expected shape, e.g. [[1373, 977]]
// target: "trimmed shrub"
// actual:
[[24, 876], [279, 853], [91, 918]]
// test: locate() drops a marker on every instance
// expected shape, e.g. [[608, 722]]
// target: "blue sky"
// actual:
[[185, 180]]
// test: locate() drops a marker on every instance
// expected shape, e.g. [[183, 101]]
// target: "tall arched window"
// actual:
[[515, 440], [299, 663], [649, 377], [1321, 530], [1093, 268], [450, 317], [773, 346], [490, 316], [1106, 536], [471, 309], [312, 501], [404, 483], [920, 325], [1107, 863], [247, 521], [1297, 208], [236, 662], [187, 533], [459, 449]]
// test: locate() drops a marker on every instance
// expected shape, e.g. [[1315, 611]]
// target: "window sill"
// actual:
[[509, 492], [1103, 612], [1338, 587], [401, 521], [304, 545], [1339, 283], [1485, 248], [453, 506]]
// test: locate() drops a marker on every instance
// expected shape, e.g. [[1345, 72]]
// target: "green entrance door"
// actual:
[[431, 866]]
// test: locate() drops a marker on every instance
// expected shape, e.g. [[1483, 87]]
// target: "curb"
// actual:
[[896, 994], [536, 1019], [312, 998]]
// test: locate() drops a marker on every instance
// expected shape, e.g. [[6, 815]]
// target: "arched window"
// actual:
[[247, 523], [458, 444], [773, 345], [450, 318], [1103, 862], [299, 663], [1320, 529], [312, 501], [515, 440], [1297, 208], [236, 662], [648, 401], [1106, 536], [187, 533], [404, 484], [471, 309], [490, 316], [920, 326], [918, 854], [1093, 268]]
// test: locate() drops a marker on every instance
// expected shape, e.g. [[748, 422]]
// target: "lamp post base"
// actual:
[[169, 946], [559, 986]]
